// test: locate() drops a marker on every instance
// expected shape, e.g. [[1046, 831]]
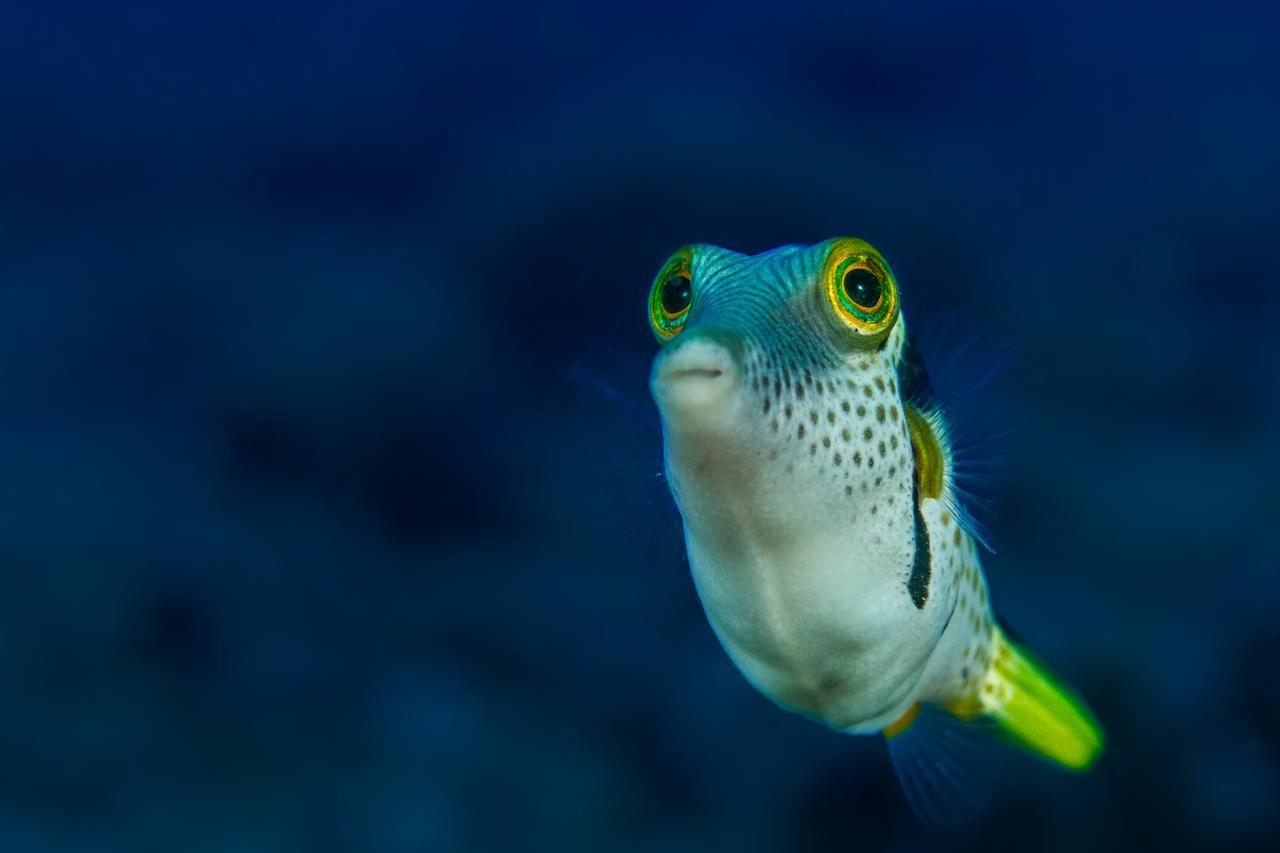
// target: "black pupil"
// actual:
[[862, 287], [675, 294]]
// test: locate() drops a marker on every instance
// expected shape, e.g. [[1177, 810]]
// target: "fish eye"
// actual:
[[677, 293], [861, 290], [672, 295]]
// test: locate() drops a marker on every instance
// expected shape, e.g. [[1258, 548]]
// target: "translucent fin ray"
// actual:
[[971, 420], [617, 444], [946, 766], [588, 379]]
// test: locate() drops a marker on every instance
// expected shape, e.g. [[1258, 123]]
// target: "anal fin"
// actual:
[[945, 765]]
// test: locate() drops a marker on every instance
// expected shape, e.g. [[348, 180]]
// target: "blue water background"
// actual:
[[310, 541]]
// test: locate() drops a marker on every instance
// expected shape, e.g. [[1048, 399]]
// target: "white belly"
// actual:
[[816, 627], [803, 576]]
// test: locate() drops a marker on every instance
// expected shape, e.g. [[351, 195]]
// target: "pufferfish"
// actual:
[[834, 559]]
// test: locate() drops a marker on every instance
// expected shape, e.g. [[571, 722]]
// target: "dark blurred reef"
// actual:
[[311, 541]]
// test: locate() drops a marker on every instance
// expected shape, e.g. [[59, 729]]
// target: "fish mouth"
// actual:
[[693, 373], [693, 380]]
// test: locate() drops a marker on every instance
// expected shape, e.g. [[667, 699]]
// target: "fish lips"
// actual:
[[695, 381]]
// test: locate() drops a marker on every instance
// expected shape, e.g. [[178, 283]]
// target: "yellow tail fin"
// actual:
[[1038, 712]]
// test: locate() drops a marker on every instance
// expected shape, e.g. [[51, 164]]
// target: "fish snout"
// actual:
[[694, 379]]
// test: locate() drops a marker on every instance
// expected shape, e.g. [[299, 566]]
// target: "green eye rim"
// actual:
[[846, 259], [671, 295]]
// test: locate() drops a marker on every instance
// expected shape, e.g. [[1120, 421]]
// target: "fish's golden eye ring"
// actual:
[[861, 289], [671, 295]]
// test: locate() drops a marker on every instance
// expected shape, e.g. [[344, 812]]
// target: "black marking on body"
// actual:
[[913, 375], [918, 583]]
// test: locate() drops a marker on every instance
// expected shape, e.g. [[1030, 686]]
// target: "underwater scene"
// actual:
[[639, 427]]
